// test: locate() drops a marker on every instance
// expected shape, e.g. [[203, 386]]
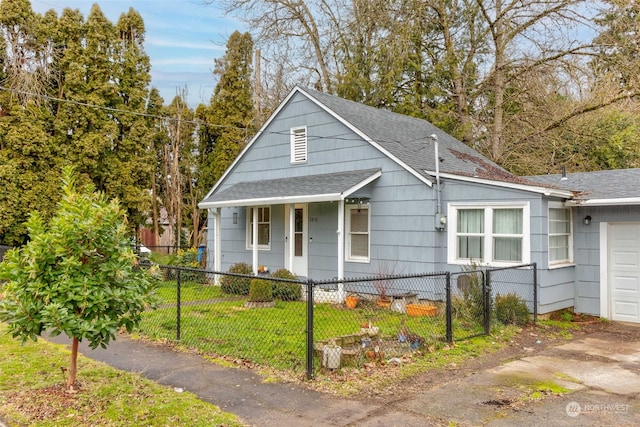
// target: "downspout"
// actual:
[[440, 219]]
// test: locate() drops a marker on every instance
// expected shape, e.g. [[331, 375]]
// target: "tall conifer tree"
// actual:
[[230, 115]]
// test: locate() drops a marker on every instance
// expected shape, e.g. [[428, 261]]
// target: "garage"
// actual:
[[624, 272]]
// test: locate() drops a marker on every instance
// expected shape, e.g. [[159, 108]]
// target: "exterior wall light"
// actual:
[[586, 220]]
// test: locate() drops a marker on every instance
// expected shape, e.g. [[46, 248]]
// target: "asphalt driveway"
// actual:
[[591, 380]]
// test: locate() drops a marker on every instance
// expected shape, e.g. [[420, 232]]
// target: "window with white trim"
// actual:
[[299, 145], [264, 227], [493, 234], [560, 234], [357, 226]]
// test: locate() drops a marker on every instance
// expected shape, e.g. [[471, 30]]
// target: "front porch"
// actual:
[[275, 214]]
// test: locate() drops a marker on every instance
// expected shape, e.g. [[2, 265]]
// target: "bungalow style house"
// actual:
[[330, 188]]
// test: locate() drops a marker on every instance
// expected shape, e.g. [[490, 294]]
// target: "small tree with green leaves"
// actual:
[[77, 274]]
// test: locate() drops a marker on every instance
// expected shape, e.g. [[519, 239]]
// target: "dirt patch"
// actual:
[[531, 340], [47, 402]]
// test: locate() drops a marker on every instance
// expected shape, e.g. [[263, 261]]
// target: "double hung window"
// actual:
[[560, 235], [358, 230], [490, 234], [264, 227]]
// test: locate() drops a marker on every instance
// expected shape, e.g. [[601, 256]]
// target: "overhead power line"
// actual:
[[194, 122], [115, 110]]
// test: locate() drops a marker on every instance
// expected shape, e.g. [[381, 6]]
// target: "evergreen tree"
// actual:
[[131, 159], [29, 166], [230, 115], [29, 159], [82, 87]]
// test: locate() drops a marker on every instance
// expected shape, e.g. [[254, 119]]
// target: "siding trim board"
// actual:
[[526, 187], [627, 201], [604, 271]]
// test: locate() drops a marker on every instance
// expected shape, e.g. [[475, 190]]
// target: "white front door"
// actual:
[[296, 229], [624, 272]]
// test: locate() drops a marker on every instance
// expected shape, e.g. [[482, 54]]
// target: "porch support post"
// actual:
[[217, 228], [254, 232], [341, 248], [292, 230]]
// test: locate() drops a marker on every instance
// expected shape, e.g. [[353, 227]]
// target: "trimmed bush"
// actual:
[[511, 309], [235, 285], [285, 291], [260, 290]]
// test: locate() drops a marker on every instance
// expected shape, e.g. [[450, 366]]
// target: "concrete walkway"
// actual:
[[601, 372]]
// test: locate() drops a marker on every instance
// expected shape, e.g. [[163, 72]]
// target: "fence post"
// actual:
[[448, 313], [486, 288], [535, 293], [309, 329], [178, 304]]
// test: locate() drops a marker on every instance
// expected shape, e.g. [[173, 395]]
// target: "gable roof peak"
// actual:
[[409, 139]]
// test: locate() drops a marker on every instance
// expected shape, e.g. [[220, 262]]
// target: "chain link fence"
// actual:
[[480, 298], [212, 312], [382, 317], [303, 326]]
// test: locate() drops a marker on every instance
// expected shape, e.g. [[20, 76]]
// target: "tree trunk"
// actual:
[[453, 65], [498, 29], [155, 210], [73, 369]]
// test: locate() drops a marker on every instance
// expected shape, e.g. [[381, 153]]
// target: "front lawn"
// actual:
[[32, 393], [276, 336]]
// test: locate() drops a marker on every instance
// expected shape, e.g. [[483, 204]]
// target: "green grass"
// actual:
[[189, 291], [562, 328], [275, 337], [31, 393]]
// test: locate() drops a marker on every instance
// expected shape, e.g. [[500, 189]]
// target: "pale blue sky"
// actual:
[[183, 37]]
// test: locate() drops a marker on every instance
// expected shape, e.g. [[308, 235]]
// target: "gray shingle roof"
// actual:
[[408, 138], [611, 184], [315, 187]]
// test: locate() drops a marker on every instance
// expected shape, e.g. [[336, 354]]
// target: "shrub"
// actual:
[[285, 291], [181, 258], [189, 258], [470, 305], [260, 290], [235, 285], [511, 309]]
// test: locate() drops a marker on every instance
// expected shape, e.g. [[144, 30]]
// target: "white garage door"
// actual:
[[624, 272]]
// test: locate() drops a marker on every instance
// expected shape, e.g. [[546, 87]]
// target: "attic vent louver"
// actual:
[[299, 145]]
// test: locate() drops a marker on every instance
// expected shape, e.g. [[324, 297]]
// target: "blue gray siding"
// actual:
[[402, 210], [587, 251], [556, 287], [401, 233]]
